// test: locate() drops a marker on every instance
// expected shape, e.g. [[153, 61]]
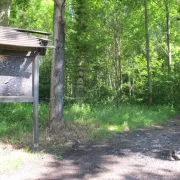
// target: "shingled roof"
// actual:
[[19, 40]]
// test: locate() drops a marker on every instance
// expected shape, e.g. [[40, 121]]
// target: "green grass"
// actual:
[[16, 119], [107, 120], [12, 159]]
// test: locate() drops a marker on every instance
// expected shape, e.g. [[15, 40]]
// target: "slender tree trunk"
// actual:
[[129, 84], [119, 65], [133, 79], [129, 78], [80, 81], [4, 12], [132, 86], [115, 62], [81, 47], [148, 51], [57, 74], [120, 73], [168, 38], [109, 71]]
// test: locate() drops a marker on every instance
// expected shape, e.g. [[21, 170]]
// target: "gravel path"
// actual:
[[140, 155]]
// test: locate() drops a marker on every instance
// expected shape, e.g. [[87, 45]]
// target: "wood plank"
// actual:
[[31, 31], [14, 53], [14, 31], [16, 37], [6, 99], [16, 48], [20, 46], [20, 43], [36, 100]]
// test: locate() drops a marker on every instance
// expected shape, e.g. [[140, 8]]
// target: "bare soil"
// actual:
[[140, 155]]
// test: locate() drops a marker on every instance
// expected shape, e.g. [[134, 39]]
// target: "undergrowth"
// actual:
[[16, 119], [107, 120]]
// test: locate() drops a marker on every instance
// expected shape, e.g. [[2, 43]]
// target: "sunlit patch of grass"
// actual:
[[113, 128], [16, 120], [12, 159], [82, 122], [58, 157], [107, 120]]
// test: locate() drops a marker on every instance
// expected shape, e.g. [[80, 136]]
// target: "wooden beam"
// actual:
[[36, 100], [20, 51], [15, 48], [13, 53], [6, 99], [32, 31]]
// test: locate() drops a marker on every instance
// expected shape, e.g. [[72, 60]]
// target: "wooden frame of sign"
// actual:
[[32, 99], [17, 43]]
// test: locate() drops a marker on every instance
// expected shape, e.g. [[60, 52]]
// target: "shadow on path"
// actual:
[[130, 156]]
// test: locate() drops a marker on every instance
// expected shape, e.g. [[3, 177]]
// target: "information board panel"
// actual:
[[15, 76]]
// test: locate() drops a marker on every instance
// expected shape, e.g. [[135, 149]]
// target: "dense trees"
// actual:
[[112, 51]]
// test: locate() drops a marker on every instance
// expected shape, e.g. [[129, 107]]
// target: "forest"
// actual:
[[118, 96], [106, 49], [121, 57]]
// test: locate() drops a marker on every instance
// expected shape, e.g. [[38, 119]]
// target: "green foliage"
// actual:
[[45, 76], [17, 118], [104, 120], [32, 14], [109, 38], [166, 89], [107, 120]]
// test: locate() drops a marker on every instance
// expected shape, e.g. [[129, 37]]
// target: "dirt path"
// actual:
[[139, 155]]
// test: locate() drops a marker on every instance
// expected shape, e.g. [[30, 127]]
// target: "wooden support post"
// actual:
[[36, 100], [14, 99]]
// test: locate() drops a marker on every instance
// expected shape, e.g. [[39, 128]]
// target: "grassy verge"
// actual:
[[81, 123], [102, 122], [16, 119], [11, 159], [107, 120]]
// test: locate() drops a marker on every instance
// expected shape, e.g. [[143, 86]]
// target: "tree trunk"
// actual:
[[148, 51], [168, 38], [80, 80], [115, 63], [81, 47], [120, 74], [129, 78], [110, 81], [57, 74], [4, 12]]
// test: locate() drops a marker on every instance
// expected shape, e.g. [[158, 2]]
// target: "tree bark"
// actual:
[[120, 73], [168, 22], [57, 73], [116, 70], [148, 58], [80, 15], [4, 12]]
